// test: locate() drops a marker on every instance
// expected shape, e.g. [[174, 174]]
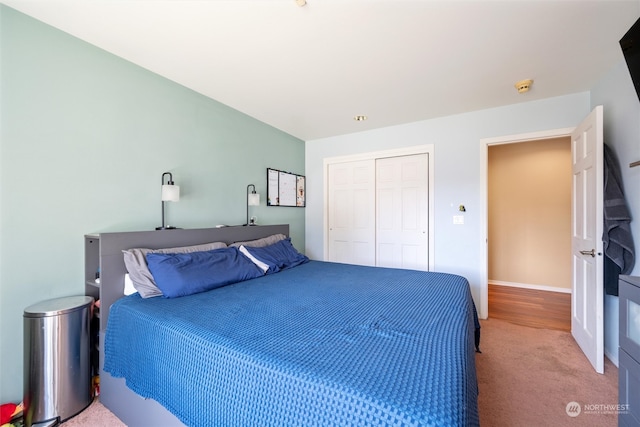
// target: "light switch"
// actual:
[[458, 219]]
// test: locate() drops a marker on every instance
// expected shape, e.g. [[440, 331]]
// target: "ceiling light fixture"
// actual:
[[360, 118], [301, 2], [524, 85]]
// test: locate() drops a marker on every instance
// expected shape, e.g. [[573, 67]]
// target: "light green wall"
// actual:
[[85, 138]]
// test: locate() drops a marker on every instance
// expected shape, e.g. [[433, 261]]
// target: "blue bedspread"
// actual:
[[319, 344]]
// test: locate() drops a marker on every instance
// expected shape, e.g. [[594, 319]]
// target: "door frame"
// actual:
[[372, 155], [483, 311]]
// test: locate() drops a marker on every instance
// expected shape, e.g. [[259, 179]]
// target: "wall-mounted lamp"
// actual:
[[170, 193], [253, 199]]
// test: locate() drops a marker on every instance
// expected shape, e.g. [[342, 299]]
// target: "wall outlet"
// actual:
[[458, 219]]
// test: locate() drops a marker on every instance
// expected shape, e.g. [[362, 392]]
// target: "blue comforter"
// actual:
[[319, 344]]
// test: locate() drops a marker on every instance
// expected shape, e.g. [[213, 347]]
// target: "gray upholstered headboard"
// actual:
[[113, 270]]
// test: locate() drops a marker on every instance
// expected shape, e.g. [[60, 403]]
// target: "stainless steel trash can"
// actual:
[[57, 363]]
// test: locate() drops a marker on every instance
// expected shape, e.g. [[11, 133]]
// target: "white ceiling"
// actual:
[[308, 70]]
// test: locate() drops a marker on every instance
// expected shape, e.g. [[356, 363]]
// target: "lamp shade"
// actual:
[[253, 199], [170, 193]]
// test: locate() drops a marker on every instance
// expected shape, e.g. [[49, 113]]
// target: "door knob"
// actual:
[[592, 252]]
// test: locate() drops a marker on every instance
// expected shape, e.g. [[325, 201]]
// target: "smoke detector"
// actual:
[[523, 85]]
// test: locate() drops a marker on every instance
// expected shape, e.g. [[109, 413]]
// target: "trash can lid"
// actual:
[[57, 306]]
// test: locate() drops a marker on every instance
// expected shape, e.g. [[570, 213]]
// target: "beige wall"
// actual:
[[530, 213]]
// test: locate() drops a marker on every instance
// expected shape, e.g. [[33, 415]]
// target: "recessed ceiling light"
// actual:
[[360, 118]]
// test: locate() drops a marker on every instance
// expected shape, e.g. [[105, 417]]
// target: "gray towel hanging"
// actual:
[[617, 237]]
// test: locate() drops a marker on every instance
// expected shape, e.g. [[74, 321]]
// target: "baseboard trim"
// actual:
[[528, 286]]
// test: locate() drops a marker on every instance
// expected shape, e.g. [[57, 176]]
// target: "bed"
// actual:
[[314, 344]]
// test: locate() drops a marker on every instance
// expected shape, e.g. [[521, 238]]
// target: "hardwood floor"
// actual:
[[528, 307]]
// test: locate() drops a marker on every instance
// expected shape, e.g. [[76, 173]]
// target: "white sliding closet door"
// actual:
[[352, 212], [378, 211], [402, 212]]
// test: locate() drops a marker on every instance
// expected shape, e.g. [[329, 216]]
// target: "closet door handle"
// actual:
[[592, 252]]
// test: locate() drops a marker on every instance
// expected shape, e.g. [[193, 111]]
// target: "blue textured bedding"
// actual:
[[318, 344]]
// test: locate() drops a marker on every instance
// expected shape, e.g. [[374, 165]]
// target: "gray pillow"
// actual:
[[260, 243], [136, 262]]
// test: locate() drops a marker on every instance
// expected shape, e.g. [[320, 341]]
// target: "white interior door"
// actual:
[[587, 288], [402, 212], [351, 209]]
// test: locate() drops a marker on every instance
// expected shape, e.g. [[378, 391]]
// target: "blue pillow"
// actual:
[[182, 274], [279, 256]]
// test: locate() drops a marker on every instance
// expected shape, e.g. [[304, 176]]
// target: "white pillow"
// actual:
[[129, 289]]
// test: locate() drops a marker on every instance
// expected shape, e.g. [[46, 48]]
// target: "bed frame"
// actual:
[[131, 408]]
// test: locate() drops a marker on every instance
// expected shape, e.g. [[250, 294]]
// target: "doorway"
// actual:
[[587, 246], [485, 144], [529, 245]]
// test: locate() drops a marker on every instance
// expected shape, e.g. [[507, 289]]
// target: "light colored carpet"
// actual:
[[526, 376], [96, 415]]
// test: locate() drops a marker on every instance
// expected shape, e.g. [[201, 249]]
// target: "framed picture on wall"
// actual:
[[285, 189]]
